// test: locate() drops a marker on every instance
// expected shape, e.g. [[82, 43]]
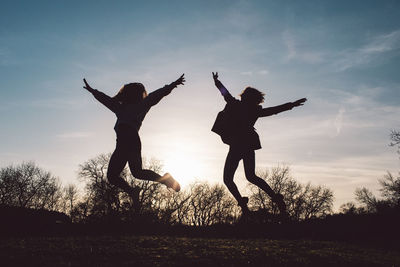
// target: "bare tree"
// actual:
[[395, 139], [80, 211], [367, 198], [172, 207], [70, 197], [348, 208], [391, 185], [390, 188], [390, 192], [26, 185], [282, 182], [303, 201], [318, 202], [103, 199], [210, 205]]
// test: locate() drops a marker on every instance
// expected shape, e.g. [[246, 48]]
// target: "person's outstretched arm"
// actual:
[[107, 101], [278, 109], [224, 92], [154, 97]]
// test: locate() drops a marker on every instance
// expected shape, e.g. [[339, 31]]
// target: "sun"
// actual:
[[185, 169]]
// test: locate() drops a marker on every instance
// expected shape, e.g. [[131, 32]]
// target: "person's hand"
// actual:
[[217, 82], [87, 86], [299, 102], [180, 81], [215, 76]]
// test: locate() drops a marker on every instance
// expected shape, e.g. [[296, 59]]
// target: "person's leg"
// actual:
[[135, 165], [231, 164], [249, 163], [117, 163], [249, 168]]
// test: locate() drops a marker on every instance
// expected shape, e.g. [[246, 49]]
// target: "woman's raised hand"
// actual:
[[217, 82], [180, 80], [215, 76], [87, 86], [299, 102]]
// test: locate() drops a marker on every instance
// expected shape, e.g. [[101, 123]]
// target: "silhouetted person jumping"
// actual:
[[131, 105], [235, 125]]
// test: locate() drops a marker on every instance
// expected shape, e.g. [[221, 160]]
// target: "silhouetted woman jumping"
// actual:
[[235, 125], [131, 105]]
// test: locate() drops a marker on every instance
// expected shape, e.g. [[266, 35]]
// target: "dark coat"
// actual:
[[235, 124]]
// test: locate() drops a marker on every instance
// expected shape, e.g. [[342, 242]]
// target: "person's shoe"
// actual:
[[170, 182]]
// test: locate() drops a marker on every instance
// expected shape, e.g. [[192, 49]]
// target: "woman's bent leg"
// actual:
[[249, 168], [231, 164], [115, 166], [135, 165]]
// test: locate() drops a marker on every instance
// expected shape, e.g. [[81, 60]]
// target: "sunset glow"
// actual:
[[343, 56], [183, 168]]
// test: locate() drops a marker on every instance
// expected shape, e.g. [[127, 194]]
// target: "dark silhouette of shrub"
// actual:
[[18, 220]]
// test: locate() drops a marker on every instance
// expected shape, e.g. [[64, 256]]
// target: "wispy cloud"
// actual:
[[54, 103], [288, 40], [48, 103], [293, 53], [339, 120], [383, 43], [372, 50], [259, 72], [377, 46], [75, 135], [248, 73]]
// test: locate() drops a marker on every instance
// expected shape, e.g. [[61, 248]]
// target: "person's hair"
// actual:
[[252, 95], [131, 93]]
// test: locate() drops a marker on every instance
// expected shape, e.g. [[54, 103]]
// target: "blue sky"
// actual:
[[342, 55]]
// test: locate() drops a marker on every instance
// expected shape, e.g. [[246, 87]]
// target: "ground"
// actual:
[[184, 251]]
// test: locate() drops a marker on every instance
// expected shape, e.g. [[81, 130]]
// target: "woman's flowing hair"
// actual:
[[252, 95], [131, 93]]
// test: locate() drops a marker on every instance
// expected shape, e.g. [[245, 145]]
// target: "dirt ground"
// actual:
[[184, 251]]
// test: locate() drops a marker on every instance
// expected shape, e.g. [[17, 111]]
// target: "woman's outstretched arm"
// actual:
[[154, 97], [278, 109], [225, 93], [107, 101]]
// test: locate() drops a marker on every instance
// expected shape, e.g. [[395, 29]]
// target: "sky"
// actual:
[[342, 55]]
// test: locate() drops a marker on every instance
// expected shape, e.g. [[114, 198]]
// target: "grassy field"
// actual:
[[183, 251]]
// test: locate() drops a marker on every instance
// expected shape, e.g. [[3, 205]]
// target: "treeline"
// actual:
[[33, 202], [27, 186], [389, 200], [200, 204]]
